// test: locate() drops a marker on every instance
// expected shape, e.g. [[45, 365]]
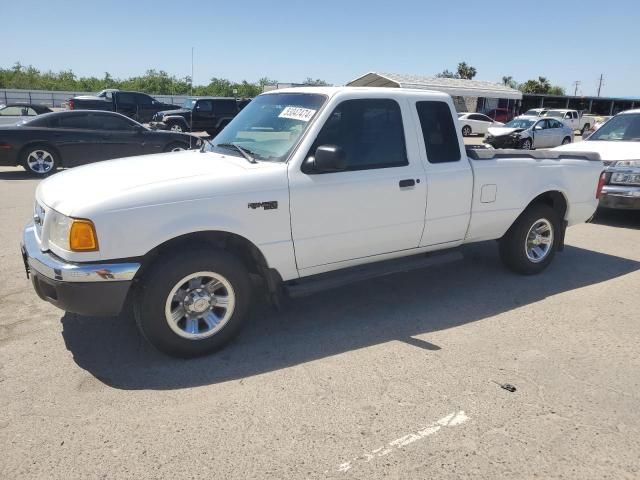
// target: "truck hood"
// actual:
[[90, 97], [500, 131], [175, 111], [608, 150], [150, 179]]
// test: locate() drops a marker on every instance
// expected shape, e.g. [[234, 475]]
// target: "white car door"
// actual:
[[481, 123], [375, 204]]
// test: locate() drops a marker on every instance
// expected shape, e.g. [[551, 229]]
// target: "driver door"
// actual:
[[542, 134], [374, 205]]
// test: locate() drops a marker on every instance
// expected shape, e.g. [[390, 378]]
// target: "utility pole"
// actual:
[[192, 71], [600, 83], [575, 90]]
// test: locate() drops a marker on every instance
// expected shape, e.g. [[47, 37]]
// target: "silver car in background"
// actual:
[[527, 132]]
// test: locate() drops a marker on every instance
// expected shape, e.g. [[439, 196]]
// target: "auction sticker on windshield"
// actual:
[[297, 113]]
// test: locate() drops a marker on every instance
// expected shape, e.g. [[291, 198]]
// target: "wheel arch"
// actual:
[[556, 199], [34, 143], [244, 249]]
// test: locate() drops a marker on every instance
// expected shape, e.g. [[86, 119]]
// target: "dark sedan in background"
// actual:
[[14, 112], [68, 139]]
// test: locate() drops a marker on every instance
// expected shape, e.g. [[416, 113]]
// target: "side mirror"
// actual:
[[327, 158]]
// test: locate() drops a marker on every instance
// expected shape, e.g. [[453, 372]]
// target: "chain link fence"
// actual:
[[58, 99]]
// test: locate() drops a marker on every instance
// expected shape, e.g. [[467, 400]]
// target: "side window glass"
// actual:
[[369, 131], [438, 131], [109, 122], [144, 99], [125, 99], [204, 106], [72, 121]]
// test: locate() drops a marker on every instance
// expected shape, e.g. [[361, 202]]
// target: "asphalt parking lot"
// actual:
[[391, 378]]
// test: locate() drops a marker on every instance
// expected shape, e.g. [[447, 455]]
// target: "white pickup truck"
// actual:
[[307, 188], [572, 118]]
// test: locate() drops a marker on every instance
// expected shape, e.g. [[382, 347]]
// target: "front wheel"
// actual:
[[466, 131], [194, 303], [176, 147], [40, 160], [526, 144], [176, 127], [531, 243]]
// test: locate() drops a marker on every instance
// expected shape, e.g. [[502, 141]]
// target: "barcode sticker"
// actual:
[[297, 113]]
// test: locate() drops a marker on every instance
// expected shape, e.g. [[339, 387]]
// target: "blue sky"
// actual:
[[333, 40]]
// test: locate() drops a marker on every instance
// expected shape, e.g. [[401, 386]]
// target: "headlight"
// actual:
[[627, 163], [626, 178], [72, 234]]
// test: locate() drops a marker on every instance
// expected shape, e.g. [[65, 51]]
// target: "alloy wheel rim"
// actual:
[[176, 128], [539, 240], [40, 161], [526, 145], [200, 305], [177, 149]]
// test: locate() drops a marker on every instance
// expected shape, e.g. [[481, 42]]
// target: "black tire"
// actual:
[[159, 281], [566, 140], [466, 131], [585, 129], [43, 151], [513, 245], [176, 147], [526, 144], [176, 127]]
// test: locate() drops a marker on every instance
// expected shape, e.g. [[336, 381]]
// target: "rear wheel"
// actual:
[[466, 131], [531, 243], [194, 303], [40, 160], [566, 140]]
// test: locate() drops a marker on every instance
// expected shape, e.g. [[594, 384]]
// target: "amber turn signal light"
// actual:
[[82, 236]]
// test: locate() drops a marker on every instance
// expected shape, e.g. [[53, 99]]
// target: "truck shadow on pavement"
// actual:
[[618, 218], [396, 307]]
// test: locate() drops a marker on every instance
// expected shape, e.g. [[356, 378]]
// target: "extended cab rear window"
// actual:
[[438, 131]]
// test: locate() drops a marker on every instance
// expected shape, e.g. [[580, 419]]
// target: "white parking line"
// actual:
[[451, 420]]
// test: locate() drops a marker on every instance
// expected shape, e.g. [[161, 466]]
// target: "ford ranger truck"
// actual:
[[306, 188]]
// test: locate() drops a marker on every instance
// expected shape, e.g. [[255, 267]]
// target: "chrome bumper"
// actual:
[[620, 196], [54, 268]]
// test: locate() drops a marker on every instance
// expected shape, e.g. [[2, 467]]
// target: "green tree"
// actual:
[[315, 83], [509, 82], [466, 71], [541, 85], [447, 74]]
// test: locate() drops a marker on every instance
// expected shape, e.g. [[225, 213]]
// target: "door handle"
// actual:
[[410, 182]]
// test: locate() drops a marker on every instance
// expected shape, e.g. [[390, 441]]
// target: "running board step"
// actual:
[[339, 278]]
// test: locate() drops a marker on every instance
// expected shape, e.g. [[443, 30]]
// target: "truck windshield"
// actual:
[[622, 128], [189, 103], [270, 125]]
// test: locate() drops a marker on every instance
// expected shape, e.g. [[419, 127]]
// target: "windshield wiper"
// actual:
[[245, 153]]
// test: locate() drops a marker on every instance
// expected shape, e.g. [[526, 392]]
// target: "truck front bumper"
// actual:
[[96, 289], [620, 196]]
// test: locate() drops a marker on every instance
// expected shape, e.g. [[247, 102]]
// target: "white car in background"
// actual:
[[476, 123], [617, 142]]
